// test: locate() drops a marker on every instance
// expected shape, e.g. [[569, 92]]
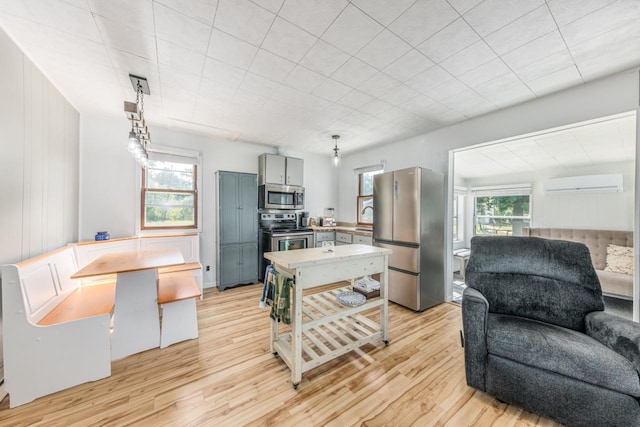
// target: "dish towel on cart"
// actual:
[[276, 293]]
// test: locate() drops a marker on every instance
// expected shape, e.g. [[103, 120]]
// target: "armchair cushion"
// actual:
[[620, 335], [562, 351]]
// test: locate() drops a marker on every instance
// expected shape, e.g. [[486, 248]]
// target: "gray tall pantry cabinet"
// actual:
[[237, 237]]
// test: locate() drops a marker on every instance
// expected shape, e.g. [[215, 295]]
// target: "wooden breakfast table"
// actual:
[[136, 319]]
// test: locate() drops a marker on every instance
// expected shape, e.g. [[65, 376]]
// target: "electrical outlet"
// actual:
[[208, 267]]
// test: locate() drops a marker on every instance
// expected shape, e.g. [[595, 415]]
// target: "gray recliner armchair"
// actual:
[[536, 335]]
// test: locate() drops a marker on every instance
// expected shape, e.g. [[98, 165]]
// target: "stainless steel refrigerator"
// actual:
[[408, 218]]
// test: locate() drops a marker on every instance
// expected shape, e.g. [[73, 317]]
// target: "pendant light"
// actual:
[[336, 157]]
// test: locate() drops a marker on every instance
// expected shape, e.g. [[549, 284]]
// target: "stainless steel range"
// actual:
[[279, 231]]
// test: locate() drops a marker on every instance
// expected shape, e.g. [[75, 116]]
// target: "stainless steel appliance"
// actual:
[[279, 231], [408, 218], [272, 196]]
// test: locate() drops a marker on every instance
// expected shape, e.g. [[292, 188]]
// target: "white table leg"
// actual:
[[136, 320], [296, 331]]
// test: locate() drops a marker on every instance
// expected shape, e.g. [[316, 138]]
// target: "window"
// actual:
[[501, 215], [169, 195], [365, 197]]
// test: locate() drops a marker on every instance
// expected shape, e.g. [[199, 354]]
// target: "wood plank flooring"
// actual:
[[228, 377]]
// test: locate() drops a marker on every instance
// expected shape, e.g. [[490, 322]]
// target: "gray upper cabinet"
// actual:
[[281, 170], [237, 249], [295, 172]]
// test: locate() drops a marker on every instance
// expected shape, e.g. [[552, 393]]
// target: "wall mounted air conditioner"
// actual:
[[588, 183]]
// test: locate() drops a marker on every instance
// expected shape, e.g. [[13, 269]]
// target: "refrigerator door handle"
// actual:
[[395, 190]]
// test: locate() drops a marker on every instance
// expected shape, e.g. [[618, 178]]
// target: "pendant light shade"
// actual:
[[336, 157]]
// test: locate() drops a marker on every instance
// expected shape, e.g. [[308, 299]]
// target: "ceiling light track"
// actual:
[[139, 136]]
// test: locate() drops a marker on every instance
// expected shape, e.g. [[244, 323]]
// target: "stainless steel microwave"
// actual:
[[272, 196]]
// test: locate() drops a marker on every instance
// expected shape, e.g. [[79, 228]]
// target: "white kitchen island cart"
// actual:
[[321, 327]]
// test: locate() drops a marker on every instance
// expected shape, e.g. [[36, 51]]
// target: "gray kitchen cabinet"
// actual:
[[237, 248], [343, 237], [363, 240], [295, 172], [281, 170], [324, 236]]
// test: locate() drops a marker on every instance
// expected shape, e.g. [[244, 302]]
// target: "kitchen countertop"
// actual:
[[342, 228], [315, 256]]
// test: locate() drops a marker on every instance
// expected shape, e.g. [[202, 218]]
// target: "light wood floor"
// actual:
[[228, 377]]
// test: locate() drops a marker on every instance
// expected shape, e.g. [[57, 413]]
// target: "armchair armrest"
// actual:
[[619, 334], [475, 311]]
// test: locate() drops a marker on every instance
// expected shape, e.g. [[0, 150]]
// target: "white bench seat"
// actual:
[[86, 301], [56, 333], [177, 293]]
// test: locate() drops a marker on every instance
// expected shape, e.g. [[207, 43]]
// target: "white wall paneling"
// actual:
[[39, 161]]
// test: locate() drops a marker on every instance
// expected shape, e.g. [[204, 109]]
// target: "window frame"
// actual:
[[143, 206], [476, 217], [361, 198]]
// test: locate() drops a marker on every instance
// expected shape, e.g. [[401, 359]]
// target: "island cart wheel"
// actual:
[[295, 386], [275, 354], [386, 342]]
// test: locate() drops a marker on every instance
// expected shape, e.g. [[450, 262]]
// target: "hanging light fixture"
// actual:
[[139, 136], [336, 157]]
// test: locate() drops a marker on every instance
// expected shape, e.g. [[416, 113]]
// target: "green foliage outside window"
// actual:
[[169, 195], [501, 215]]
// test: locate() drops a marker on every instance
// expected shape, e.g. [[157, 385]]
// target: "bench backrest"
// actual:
[[44, 281], [596, 240], [189, 245]]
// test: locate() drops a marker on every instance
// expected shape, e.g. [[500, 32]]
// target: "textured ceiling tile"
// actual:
[[423, 19], [324, 58], [601, 21], [126, 39], [448, 41], [488, 71], [180, 58], [202, 10], [400, 94], [229, 49], [63, 17], [355, 99], [559, 79], [270, 66], [567, 11], [531, 53], [383, 11], [608, 53], [354, 72], [351, 30], [463, 6], [304, 79], [138, 14], [287, 40], [447, 89], [408, 66], [378, 84], [428, 79], [491, 15], [271, 5], [544, 66], [223, 73], [384, 49], [181, 30], [523, 30], [314, 16], [243, 19], [468, 59], [259, 85], [331, 90]]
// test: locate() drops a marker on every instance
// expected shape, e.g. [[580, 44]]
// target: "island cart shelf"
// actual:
[[322, 328]]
